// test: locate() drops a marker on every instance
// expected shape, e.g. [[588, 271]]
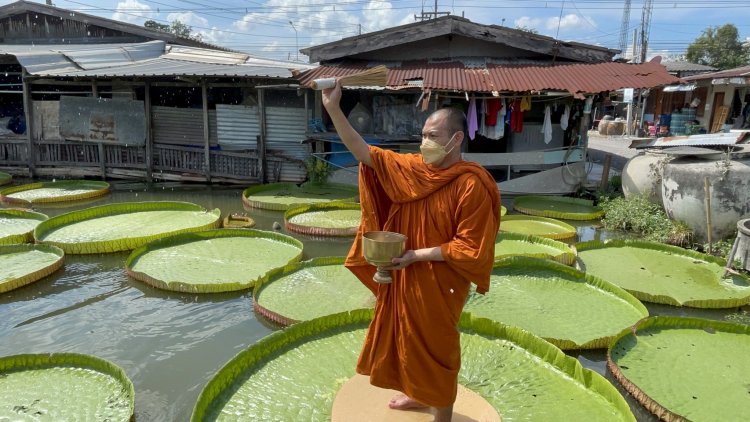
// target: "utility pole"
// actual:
[[296, 42], [648, 6], [624, 26], [430, 15]]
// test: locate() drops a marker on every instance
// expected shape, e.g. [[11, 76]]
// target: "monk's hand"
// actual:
[[404, 260], [332, 96]]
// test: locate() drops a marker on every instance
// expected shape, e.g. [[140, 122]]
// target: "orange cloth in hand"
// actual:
[[412, 344]]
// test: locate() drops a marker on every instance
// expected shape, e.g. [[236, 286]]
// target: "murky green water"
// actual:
[[169, 344]]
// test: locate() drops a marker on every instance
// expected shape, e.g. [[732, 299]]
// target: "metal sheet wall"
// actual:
[[182, 126], [237, 126], [285, 133]]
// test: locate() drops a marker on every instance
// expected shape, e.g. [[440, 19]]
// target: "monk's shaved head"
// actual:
[[455, 119]]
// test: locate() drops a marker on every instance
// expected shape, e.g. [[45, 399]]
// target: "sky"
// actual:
[[279, 28]]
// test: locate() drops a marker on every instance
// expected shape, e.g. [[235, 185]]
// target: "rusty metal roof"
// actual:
[[577, 79], [737, 72]]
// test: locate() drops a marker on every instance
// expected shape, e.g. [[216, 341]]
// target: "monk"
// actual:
[[450, 211]]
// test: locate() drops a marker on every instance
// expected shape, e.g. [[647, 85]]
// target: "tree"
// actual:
[[176, 27], [719, 47], [527, 29]]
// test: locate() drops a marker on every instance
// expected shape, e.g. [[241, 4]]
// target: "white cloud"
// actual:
[[527, 22], [188, 18], [133, 11], [379, 14], [568, 22], [274, 46]]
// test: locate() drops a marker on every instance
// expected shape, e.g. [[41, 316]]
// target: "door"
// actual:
[[717, 107]]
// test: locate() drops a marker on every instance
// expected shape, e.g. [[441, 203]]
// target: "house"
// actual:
[[490, 71], [85, 96], [723, 99]]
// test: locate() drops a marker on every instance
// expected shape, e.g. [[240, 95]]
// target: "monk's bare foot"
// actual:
[[404, 402]]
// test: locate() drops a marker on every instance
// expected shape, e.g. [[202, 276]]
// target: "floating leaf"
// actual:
[[52, 192], [212, 261], [294, 374], [514, 244], [17, 226], [654, 272], [5, 178], [123, 226], [558, 207], [685, 368], [308, 290], [537, 226], [281, 196], [23, 264], [64, 387], [566, 307], [325, 219]]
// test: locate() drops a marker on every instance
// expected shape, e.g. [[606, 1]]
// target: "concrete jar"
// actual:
[[642, 175], [684, 198]]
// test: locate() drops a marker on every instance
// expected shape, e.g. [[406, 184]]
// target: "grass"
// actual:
[[638, 215]]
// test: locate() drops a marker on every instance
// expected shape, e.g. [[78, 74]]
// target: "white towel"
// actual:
[[547, 126], [564, 118]]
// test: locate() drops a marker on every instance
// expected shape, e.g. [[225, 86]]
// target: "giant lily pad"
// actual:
[[325, 219], [537, 226], [17, 226], [5, 178], [310, 289], [124, 226], [513, 244], [24, 264], [654, 272], [294, 374], [212, 261], [50, 192], [566, 307], [64, 387], [558, 207], [281, 196], [685, 368]]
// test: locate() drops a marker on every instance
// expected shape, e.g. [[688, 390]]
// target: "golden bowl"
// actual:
[[379, 247]]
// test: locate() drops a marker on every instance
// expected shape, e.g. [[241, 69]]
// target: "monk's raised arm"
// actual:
[[350, 137]]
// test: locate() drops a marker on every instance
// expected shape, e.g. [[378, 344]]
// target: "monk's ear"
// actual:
[[460, 136]]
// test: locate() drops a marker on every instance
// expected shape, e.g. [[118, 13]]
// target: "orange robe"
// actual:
[[412, 344]]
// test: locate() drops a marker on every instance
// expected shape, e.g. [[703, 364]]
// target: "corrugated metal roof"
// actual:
[[574, 78], [743, 71], [152, 58], [687, 67], [711, 139]]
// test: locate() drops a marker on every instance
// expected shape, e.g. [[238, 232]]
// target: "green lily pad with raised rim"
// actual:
[[310, 289], [564, 306], [282, 196], [294, 374], [685, 369], [64, 387], [514, 244], [17, 226], [558, 207], [23, 264], [503, 210], [212, 261], [325, 219], [53, 192], [537, 226], [123, 226], [658, 273], [5, 178]]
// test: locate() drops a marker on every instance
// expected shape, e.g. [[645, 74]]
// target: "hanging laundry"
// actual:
[[500, 127], [516, 121], [547, 126], [526, 103], [493, 106], [471, 118], [564, 118], [482, 123]]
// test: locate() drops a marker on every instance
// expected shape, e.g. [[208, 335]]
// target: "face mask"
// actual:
[[432, 152]]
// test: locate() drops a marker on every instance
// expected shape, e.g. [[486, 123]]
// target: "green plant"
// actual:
[[318, 171], [638, 215]]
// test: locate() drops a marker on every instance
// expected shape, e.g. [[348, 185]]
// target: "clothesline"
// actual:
[[547, 98]]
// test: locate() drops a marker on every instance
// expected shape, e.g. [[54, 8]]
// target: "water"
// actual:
[[170, 344]]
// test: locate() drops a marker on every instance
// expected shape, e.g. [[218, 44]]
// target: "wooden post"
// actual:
[[149, 133], [262, 137], [709, 226], [28, 106], [206, 133], [100, 145], [605, 172]]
